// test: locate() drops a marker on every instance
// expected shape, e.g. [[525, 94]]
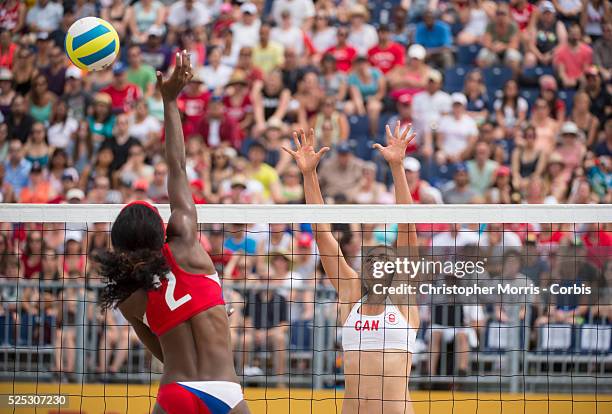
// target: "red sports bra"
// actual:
[[180, 296]]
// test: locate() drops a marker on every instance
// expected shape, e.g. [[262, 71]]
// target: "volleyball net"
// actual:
[[510, 299]]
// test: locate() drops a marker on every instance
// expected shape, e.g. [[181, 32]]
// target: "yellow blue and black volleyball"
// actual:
[[92, 43]]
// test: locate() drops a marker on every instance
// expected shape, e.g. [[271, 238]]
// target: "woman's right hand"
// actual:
[[304, 155]]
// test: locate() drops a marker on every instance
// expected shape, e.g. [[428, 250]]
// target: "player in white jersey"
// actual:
[[378, 330]]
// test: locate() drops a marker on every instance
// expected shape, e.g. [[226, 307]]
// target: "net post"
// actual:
[[318, 332], [515, 349], [81, 314]]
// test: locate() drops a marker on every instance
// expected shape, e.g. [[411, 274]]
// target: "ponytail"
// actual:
[[126, 272]]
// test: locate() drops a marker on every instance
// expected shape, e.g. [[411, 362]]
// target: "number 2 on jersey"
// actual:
[[170, 300]]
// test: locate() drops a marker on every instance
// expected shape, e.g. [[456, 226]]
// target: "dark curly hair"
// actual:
[[136, 260]]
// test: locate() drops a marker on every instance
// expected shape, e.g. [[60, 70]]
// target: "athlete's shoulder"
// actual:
[[135, 305]]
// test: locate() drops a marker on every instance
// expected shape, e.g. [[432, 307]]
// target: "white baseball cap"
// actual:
[[74, 235], [249, 8], [417, 51], [459, 98], [412, 164], [73, 72], [75, 193]]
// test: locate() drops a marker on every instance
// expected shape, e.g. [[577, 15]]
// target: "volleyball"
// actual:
[[92, 43]]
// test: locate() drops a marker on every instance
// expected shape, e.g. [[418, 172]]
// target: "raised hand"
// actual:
[[304, 155], [395, 151], [181, 75]]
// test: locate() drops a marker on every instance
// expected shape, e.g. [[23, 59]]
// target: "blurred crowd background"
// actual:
[[510, 102]]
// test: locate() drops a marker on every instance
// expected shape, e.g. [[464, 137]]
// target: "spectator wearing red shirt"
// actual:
[[197, 191], [224, 21], [253, 74], [7, 49], [237, 101], [12, 15], [573, 58], [196, 49], [217, 127], [523, 13], [343, 52], [193, 103], [386, 54], [123, 94], [598, 243]]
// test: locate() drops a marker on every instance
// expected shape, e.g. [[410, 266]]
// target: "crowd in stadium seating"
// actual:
[[511, 102]]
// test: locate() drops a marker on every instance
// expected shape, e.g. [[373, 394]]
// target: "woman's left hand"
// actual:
[[395, 151]]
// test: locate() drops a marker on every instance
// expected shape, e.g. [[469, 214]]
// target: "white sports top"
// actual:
[[388, 330]]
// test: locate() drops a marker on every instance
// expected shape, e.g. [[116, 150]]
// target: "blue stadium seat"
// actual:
[[466, 55], [454, 78], [359, 127], [530, 95], [7, 330], [495, 77], [538, 71], [381, 11], [568, 97], [384, 120]]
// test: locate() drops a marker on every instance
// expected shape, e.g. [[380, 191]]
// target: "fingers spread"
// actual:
[[406, 130], [322, 151], [179, 63], [378, 147], [296, 141], [287, 150], [311, 137]]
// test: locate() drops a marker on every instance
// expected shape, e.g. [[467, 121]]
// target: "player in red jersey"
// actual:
[[166, 285]]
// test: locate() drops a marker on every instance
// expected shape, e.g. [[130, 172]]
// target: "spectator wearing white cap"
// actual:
[[246, 31], [301, 11], [571, 146], [501, 41], [187, 15], [77, 99], [420, 189], [7, 93], [412, 76], [155, 53], [457, 131], [428, 107]]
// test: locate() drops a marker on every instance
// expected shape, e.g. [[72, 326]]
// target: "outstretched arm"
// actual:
[[183, 220], [394, 153], [334, 263]]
